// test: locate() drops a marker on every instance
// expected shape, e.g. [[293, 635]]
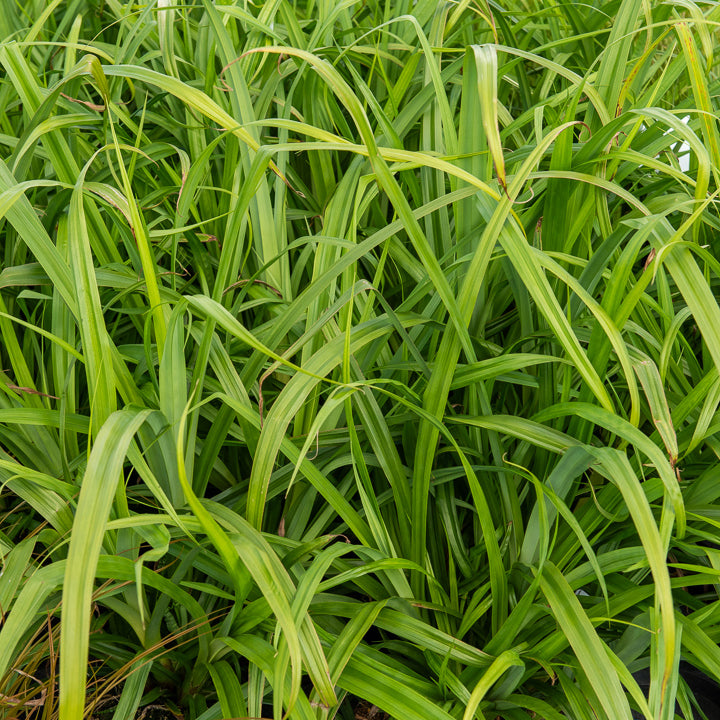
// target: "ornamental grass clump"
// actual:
[[360, 360]]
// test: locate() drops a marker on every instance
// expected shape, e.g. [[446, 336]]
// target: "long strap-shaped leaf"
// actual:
[[615, 466], [591, 652], [30, 229], [96, 496], [611, 72]]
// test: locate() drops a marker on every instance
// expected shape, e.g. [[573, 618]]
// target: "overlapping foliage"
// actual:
[[360, 359]]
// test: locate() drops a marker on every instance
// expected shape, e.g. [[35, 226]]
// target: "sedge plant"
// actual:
[[359, 359]]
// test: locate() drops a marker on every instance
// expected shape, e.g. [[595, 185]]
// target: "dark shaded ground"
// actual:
[[157, 712]]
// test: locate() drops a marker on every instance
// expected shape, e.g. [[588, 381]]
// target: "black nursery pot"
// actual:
[[705, 690]]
